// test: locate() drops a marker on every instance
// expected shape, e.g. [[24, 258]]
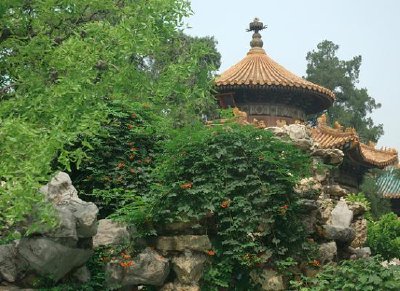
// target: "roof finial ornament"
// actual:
[[256, 26]]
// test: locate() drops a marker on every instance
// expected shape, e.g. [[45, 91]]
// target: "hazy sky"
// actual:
[[360, 27]]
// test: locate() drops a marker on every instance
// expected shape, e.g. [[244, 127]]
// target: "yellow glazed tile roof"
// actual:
[[337, 137], [258, 69]]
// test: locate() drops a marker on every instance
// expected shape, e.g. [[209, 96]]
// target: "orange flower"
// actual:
[[121, 165], [187, 185], [132, 157], [283, 209], [315, 263], [125, 256], [134, 149], [130, 126], [211, 253], [225, 204]]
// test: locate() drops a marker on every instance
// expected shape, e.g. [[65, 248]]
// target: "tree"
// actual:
[[60, 65], [352, 104]]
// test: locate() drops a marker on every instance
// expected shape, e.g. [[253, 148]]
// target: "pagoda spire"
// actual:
[[256, 26]]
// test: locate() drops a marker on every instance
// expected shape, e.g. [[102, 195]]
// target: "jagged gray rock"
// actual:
[[328, 252], [52, 259], [8, 263], [340, 234], [188, 267], [199, 243], [110, 233], [329, 156], [335, 190], [64, 197], [342, 215], [149, 268]]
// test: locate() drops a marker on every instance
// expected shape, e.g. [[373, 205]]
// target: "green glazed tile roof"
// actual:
[[389, 184]]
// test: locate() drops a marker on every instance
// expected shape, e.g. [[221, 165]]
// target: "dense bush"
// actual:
[[234, 183], [379, 205], [363, 275], [117, 167], [384, 236]]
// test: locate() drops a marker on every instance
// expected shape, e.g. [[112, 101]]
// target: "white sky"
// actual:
[[360, 27]]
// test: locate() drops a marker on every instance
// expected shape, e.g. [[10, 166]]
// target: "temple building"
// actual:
[[269, 93], [389, 186], [359, 157]]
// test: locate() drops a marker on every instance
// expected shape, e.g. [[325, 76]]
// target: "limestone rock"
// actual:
[[325, 208], [277, 131], [337, 233], [110, 233], [268, 280], [328, 252], [188, 267], [82, 274], [149, 268], [307, 205], [71, 209], [200, 243], [179, 287], [60, 189], [49, 258], [360, 227], [335, 190], [300, 135], [357, 208], [309, 221], [8, 263], [342, 215], [329, 156], [360, 253], [307, 187]]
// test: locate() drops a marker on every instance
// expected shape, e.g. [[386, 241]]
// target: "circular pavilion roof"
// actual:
[[258, 70]]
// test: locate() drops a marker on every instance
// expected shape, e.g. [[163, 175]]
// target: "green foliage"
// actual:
[[384, 236], [360, 198], [236, 184], [349, 275], [379, 205], [62, 62], [352, 104]]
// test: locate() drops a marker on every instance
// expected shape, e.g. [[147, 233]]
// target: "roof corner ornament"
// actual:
[[256, 26]]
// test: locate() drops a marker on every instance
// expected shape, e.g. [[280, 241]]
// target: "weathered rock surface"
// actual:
[[51, 259], [149, 268], [268, 280], [307, 187], [71, 209], [335, 190], [8, 263], [330, 156], [360, 253], [110, 233], [325, 208], [188, 267], [200, 243], [337, 233], [82, 274], [328, 252], [342, 215], [300, 135], [179, 287], [357, 208], [360, 228]]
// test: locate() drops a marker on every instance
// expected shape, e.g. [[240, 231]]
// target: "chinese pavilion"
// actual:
[[269, 93]]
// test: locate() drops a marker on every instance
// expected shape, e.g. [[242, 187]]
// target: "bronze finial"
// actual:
[[256, 26]]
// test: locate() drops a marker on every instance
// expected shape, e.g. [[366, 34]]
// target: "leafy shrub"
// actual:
[[384, 236], [117, 168], [234, 183], [352, 275], [379, 205], [360, 198]]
